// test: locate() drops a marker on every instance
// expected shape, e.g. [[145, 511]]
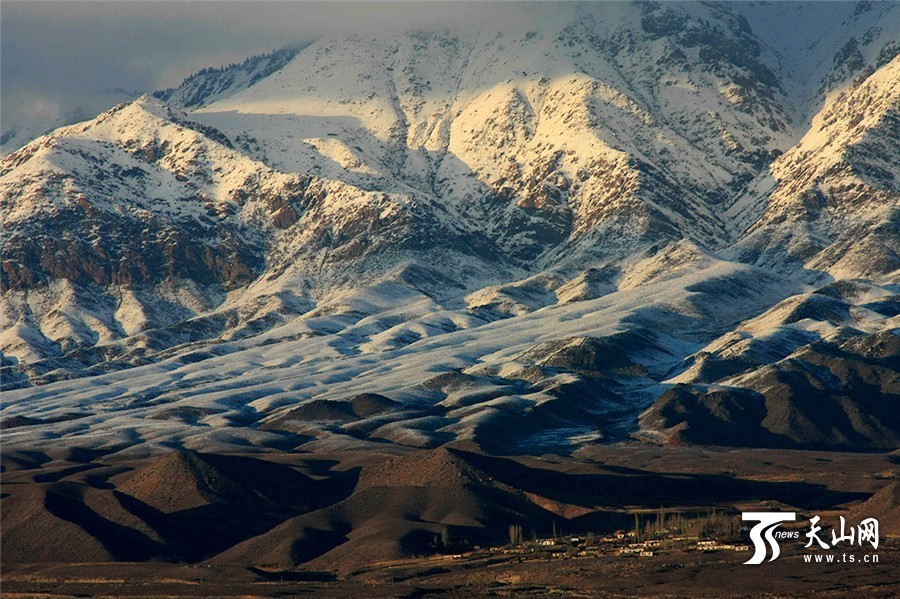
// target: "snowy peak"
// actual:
[[671, 188], [210, 84], [532, 129], [834, 204], [862, 114], [137, 195], [799, 41], [143, 153]]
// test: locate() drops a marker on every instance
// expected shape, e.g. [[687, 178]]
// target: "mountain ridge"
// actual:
[[415, 216]]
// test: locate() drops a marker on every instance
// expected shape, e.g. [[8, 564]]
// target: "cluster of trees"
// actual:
[[515, 534], [724, 526], [278, 58], [663, 525]]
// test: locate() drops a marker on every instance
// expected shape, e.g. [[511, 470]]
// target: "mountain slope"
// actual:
[[210, 84], [834, 203], [561, 135], [521, 237]]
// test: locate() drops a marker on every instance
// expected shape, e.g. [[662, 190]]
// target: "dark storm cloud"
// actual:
[[60, 57]]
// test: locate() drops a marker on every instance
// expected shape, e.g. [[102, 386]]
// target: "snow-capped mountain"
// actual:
[[44, 121], [211, 84], [840, 182], [523, 236]]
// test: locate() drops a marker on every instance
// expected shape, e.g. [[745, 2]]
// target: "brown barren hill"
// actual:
[[441, 467], [32, 534], [71, 522], [426, 502], [182, 480], [885, 507]]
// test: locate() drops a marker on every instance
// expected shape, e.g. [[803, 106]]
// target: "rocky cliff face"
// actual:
[[834, 197], [634, 190]]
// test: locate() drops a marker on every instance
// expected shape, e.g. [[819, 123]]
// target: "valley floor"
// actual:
[[674, 574], [79, 524]]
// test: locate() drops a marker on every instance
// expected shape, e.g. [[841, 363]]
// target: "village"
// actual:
[[620, 544], [662, 533]]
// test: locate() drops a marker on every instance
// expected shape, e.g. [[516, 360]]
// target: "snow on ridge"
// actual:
[[435, 204]]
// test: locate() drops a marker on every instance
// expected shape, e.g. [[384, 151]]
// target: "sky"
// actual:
[[79, 58], [72, 59]]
